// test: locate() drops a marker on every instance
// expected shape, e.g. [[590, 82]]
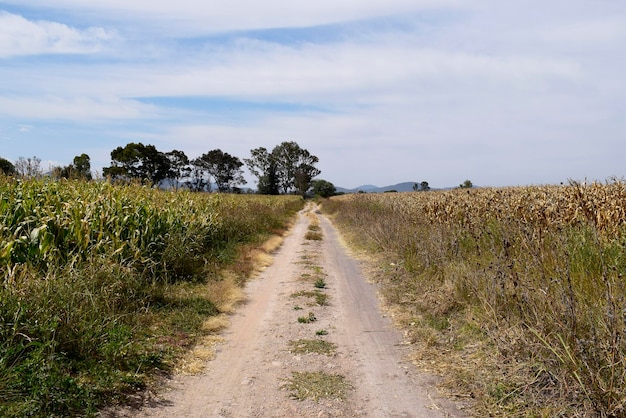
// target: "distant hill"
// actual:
[[368, 188]]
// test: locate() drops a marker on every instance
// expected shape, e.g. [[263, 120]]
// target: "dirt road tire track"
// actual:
[[248, 376]]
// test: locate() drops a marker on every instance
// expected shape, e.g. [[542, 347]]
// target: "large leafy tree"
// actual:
[[287, 168], [82, 167], [303, 177], [224, 168], [179, 166], [296, 167], [262, 165], [138, 161], [6, 167], [198, 180], [323, 188], [79, 169]]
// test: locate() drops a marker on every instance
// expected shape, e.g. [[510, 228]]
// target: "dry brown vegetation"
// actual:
[[515, 295]]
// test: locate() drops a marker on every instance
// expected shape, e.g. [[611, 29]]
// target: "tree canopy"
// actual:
[[223, 168], [6, 167], [421, 187], [323, 188], [288, 168], [467, 184], [262, 165], [79, 169], [138, 161], [179, 166], [82, 166]]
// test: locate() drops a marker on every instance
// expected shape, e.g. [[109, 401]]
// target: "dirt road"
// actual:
[[267, 342]]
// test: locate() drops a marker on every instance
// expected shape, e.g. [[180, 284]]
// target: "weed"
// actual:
[[317, 270], [303, 293], [307, 319], [312, 346], [313, 236], [321, 332], [320, 284], [321, 298], [318, 385]]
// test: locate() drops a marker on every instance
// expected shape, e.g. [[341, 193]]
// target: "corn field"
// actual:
[[101, 284], [523, 286]]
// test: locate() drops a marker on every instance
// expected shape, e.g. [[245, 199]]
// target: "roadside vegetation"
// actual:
[[104, 287], [516, 295]]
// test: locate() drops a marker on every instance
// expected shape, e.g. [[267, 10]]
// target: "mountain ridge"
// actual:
[[369, 188]]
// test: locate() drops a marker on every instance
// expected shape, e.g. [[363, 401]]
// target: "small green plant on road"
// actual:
[[318, 385], [312, 346], [307, 319]]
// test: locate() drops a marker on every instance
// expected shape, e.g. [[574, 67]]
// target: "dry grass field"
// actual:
[[515, 295]]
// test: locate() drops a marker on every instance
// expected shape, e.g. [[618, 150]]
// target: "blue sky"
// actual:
[[382, 91]]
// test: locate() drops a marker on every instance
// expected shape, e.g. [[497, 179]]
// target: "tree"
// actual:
[[303, 177], [6, 167], [287, 168], [262, 165], [286, 156], [81, 167], [224, 168], [421, 187], [60, 172], [138, 161], [323, 188], [79, 170], [295, 167], [28, 167], [198, 178], [179, 166], [467, 184]]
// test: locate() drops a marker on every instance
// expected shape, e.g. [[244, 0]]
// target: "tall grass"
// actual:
[[524, 287], [103, 286]]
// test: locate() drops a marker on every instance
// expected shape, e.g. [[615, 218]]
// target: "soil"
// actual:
[[252, 370]]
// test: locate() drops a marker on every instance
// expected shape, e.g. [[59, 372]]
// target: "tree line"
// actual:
[[31, 168], [286, 169]]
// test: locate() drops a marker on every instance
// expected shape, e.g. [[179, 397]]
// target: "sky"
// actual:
[[502, 93]]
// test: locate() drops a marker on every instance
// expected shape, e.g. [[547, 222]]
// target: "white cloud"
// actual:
[[210, 16], [589, 31], [75, 108], [19, 36], [336, 74]]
